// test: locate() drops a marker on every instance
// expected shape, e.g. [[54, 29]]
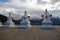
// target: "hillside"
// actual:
[[3, 18]]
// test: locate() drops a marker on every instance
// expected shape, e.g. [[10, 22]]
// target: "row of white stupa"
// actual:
[[25, 23]]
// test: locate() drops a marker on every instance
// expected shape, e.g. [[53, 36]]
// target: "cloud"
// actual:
[[55, 13], [33, 7], [54, 1], [32, 4], [49, 4], [26, 3]]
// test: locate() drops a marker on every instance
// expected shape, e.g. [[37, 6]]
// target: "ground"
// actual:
[[33, 33]]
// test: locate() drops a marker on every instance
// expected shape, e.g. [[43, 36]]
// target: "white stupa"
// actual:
[[1, 24], [46, 23], [25, 23], [9, 22]]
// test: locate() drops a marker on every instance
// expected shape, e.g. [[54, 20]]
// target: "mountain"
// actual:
[[34, 21], [56, 20]]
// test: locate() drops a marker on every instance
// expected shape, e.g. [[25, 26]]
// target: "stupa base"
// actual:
[[47, 26], [8, 26], [24, 26], [1, 26]]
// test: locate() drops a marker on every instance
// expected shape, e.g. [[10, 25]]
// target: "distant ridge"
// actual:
[[55, 20]]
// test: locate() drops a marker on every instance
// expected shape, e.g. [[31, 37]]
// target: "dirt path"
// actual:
[[30, 34]]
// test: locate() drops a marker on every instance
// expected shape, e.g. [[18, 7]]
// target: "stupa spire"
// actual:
[[25, 15], [46, 14]]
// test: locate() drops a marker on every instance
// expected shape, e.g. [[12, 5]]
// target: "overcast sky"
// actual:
[[33, 7]]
